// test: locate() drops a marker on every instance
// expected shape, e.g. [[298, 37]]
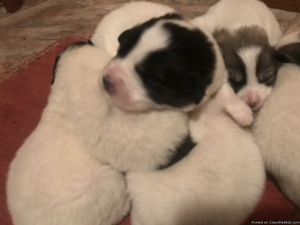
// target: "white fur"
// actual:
[[249, 57], [277, 127], [129, 91], [133, 13], [233, 14], [53, 179], [65, 173], [219, 182], [291, 38]]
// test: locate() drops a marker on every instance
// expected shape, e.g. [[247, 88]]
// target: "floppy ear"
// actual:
[[200, 87], [282, 57], [122, 39], [199, 94], [289, 53]]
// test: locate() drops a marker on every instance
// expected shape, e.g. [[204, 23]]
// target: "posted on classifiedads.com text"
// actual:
[[275, 222]]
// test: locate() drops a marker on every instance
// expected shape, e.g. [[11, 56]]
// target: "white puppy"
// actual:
[[247, 32], [277, 126], [219, 182], [54, 179], [65, 173], [127, 16]]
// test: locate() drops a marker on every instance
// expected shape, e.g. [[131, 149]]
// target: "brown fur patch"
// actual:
[[246, 36]]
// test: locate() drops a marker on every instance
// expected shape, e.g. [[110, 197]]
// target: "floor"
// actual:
[[40, 23]]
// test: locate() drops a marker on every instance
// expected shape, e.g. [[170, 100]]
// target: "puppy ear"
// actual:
[[199, 87], [199, 94], [282, 57], [123, 38], [289, 53]]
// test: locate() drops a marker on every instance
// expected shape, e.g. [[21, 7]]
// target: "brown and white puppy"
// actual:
[[277, 125], [247, 33]]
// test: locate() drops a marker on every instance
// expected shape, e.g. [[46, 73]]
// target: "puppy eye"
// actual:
[[267, 76], [235, 77]]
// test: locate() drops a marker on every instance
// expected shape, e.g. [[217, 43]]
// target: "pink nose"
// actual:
[[252, 99], [113, 79]]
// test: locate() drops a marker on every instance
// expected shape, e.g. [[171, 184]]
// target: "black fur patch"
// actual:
[[179, 74], [129, 38], [74, 45], [267, 67], [182, 150], [290, 53], [236, 68]]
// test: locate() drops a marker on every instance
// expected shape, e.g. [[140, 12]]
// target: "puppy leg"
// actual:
[[96, 196], [234, 106]]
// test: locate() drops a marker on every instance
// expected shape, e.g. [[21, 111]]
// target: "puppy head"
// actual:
[[164, 62], [251, 62]]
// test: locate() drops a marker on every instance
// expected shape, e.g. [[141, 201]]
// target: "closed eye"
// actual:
[[267, 76], [235, 77]]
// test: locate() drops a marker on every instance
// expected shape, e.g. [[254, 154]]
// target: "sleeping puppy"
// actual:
[[157, 62], [54, 179], [125, 17], [67, 170], [165, 62], [277, 126], [247, 38], [219, 182]]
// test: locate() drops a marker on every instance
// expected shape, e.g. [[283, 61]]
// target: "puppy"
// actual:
[[165, 62], [127, 16], [158, 61], [54, 179], [277, 125], [67, 171], [247, 37], [219, 182]]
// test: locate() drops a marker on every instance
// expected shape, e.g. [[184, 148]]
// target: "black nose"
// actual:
[[107, 84]]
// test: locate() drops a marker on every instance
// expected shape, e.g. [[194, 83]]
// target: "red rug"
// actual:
[[22, 99]]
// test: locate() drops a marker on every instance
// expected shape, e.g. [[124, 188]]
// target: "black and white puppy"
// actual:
[[167, 62], [247, 33], [162, 63], [277, 125]]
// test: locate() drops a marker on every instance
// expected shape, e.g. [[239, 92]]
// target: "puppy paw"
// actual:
[[241, 113], [235, 107]]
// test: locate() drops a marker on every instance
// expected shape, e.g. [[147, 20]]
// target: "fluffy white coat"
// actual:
[[219, 182], [277, 127], [233, 14], [66, 172], [127, 16]]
